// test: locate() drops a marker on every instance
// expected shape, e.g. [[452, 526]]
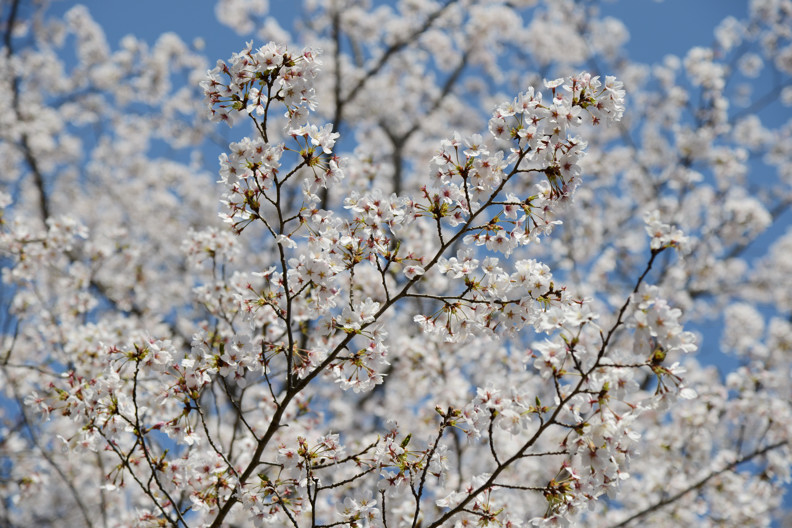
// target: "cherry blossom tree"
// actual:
[[461, 263]]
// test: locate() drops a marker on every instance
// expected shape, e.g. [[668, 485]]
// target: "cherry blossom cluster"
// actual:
[[663, 235], [440, 320], [467, 172], [468, 177], [213, 244], [253, 80]]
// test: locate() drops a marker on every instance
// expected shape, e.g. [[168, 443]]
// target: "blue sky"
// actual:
[[656, 28]]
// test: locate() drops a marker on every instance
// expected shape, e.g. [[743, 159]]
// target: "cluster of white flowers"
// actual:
[[440, 320], [253, 79], [663, 235]]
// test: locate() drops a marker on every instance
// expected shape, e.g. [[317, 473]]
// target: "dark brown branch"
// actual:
[[38, 178]]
